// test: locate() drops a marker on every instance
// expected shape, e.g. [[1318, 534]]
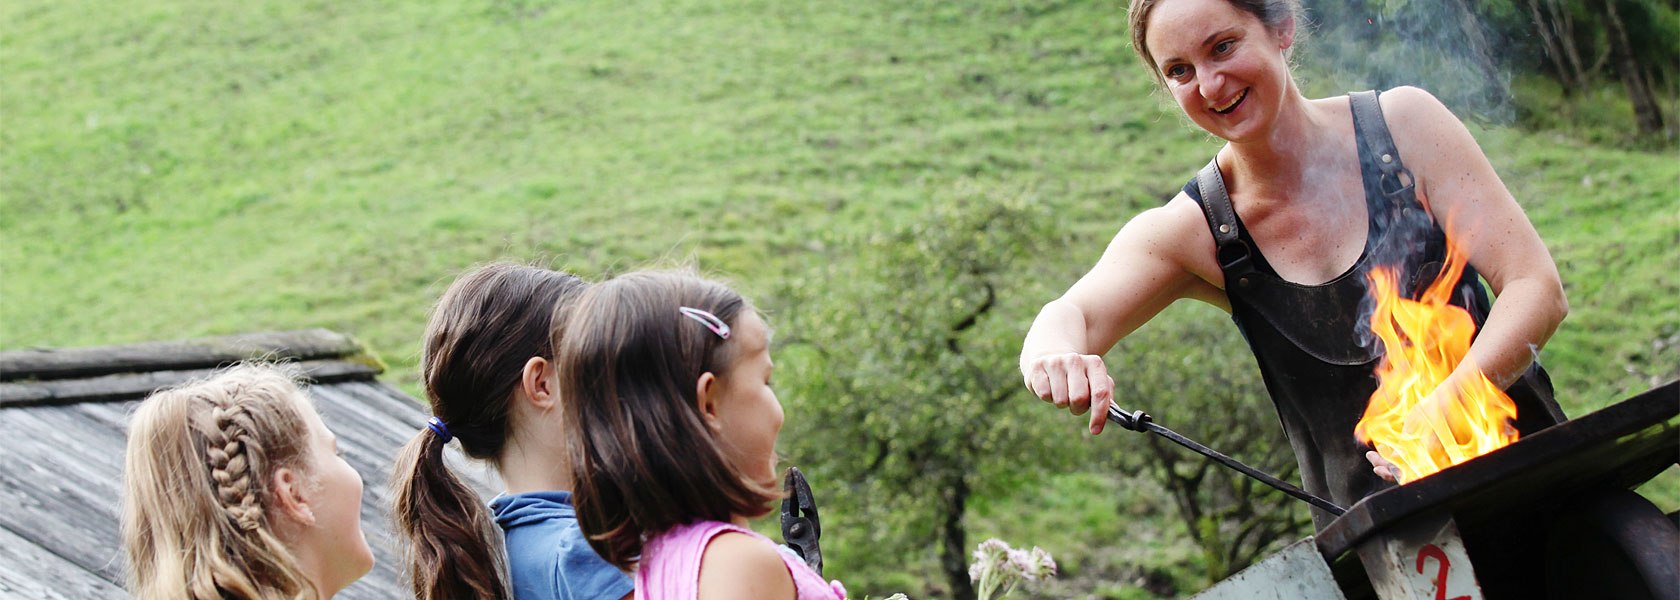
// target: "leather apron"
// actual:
[[1313, 342]]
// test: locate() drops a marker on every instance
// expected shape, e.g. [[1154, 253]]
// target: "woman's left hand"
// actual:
[[1382, 467]]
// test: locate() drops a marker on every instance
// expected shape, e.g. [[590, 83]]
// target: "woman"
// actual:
[[1306, 196]]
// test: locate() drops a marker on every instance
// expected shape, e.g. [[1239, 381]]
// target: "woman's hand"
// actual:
[[1160, 256], [1382, 467], [1078, 382], [1425, 423]]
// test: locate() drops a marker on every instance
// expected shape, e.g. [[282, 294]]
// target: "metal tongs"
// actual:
[[1140, 421], [800, 525]]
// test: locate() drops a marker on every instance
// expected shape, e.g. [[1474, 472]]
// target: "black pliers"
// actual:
[[800, 525]]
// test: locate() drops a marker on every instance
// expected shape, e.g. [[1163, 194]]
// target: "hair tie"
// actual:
[[708, 319], [436, 425]]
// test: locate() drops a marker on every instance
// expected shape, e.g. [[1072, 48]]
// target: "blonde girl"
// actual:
[[234, 489]]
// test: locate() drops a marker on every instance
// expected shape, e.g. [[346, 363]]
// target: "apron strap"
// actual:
[[1375, 138], [1233, 254]]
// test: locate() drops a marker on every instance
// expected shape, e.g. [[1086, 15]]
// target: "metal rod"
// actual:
[[1140, 421]]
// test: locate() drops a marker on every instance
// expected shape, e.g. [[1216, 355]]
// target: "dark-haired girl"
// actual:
[[489, 378], [672, 423]]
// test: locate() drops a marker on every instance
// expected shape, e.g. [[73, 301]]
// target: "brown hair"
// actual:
[[642, 457], [486, 326], [1273, 13], [196, 500]]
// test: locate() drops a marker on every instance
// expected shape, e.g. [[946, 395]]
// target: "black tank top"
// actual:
[[1314, 349]]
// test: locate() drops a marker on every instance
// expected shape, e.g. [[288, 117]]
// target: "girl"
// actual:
[[1306, 196], [487, 372], [234, 489], [666, 385]]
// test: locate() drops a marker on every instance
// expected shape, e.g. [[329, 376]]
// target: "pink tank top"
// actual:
[[670, 565]]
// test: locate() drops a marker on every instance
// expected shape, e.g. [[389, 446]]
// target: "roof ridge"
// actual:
[[203, 353]]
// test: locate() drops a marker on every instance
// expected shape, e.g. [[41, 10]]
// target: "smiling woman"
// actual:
[[1242, 52], [1281, 229]]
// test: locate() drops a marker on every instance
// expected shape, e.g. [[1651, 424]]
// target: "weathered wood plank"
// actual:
[[53, 513], [343, 411], [127, 386], [204, 353], [1298, 572], [112, 415], [29, 571], [61, 482]]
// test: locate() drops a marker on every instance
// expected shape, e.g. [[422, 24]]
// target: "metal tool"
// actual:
[[800, 526], [1141, 422]]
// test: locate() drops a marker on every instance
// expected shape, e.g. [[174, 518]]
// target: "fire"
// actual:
[[1424, 340]]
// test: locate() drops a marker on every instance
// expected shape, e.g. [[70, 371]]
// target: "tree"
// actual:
[[1190, 370], [1557, 30], [1647, 110], [1383, 43], [905, 401]]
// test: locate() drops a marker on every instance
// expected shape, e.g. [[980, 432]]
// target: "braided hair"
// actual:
[[195, 488]]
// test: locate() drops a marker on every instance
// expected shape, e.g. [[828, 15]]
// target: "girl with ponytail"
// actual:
[[488, 373]]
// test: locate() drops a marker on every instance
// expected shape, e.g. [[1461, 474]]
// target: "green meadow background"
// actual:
[[179, 169]]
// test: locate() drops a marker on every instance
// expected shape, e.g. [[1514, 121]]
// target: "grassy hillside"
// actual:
[[176, 169]]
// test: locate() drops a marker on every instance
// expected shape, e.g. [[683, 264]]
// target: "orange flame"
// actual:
[[1424, 340]]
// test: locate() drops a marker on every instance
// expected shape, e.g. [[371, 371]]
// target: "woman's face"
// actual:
[[749, 416], [1224, 67], [335, 499]]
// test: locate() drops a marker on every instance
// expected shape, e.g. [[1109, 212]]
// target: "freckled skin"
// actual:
[[1291, 169]]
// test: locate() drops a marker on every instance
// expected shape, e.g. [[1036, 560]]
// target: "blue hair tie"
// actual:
[[436, 425]]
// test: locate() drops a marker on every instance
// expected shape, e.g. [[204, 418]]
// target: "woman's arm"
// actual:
[[1460, 188], [1161, 255]]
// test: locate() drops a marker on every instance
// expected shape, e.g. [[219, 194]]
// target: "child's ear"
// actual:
[[289, 496], [706, 397], [538, 382]]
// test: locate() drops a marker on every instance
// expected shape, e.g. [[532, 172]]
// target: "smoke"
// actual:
[[1449, 47]]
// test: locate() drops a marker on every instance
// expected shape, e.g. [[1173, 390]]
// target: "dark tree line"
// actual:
[[1465, 49]]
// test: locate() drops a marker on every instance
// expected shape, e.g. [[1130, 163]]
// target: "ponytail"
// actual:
[[487, 325], [453, 549]]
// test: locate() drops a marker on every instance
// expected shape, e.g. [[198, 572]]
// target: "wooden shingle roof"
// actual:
[[63, 418]]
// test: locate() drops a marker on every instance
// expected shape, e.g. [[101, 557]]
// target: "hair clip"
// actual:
[[436, 425], [708, 319]]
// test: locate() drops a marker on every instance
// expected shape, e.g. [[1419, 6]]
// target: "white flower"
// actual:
[[1043, 565], [1022, 564], [997, 568]]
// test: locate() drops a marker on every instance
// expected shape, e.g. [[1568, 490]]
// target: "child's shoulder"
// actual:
[[739, 564], [712, 559]]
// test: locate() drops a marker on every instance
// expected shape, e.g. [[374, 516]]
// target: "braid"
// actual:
[[233, 457]]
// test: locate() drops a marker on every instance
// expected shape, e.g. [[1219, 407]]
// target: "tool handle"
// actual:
[[1140, 421]]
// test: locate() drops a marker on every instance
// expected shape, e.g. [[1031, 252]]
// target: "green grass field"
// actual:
[[179, 169]]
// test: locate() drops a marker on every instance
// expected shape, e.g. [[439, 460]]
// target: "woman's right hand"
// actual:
[[1077, 382]]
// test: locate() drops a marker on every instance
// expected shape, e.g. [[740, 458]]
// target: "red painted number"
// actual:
[[1431, 550]]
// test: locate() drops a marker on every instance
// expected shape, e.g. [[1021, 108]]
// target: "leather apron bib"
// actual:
[[1313, 345]]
